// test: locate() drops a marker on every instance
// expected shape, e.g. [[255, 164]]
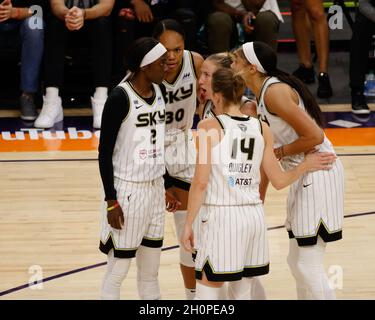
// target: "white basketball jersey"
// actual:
[[207, 110], [181, 97], [282, 132], [236, 160], [139, 150]]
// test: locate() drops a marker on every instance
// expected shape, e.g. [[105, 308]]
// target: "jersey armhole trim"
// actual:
[[274, 114], [193, 65], [220, 123], [260, 126]]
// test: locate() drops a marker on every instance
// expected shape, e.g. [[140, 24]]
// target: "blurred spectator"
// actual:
[[364, 29], [260, 20], [137, 18], [304, 13], [92, 16], [17, 16]]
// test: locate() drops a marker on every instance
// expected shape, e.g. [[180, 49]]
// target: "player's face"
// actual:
[[156, 70], [239, 64], [207, 70], [174, 43]]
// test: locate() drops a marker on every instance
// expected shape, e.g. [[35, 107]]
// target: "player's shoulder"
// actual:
[[197, 58], [209, 123]]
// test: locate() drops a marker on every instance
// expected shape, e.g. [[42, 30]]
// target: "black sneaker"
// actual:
[[359, 105], [28, 109], [307, 75], [324, 88]]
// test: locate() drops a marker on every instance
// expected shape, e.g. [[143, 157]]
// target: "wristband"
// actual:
[[116, 205]]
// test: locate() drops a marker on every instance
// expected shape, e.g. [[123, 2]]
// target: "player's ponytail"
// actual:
[[229, 84], [268, 59]]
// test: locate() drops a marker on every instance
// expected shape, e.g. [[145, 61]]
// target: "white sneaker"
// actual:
[[97, 110], [51, 113]]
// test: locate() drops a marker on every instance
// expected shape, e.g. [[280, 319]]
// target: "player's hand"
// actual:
[[171, 202], [187, 238], [319, 160], [115, 217], [248, 28], [142, 11], [5, 10]]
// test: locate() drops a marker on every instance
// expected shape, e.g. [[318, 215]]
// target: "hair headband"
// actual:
[[248, 50], [154, 54]]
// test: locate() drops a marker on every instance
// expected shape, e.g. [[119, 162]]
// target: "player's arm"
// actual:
[[198, 61], [115, 110], [279, 178], [197, 64], [281, 100], [263, 185]]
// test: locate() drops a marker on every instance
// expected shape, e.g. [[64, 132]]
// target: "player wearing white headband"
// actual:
[[316, 201], [131, 161]]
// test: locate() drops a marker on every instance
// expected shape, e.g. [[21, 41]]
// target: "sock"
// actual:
[[52, 93], [207, 293], [190, 294], [101, 93]]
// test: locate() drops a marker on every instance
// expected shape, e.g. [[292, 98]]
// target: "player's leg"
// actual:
[[208, 290], [241, 289], [308, 265], [148, 254], [257, 290], [117, 270], [292, 260], [187, 265], [148, 263]]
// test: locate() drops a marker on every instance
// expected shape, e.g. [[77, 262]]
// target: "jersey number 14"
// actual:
[[247, 147]]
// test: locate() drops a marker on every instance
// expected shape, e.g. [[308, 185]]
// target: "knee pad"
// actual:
[[148, 262]]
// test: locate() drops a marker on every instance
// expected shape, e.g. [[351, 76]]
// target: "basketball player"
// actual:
[[210, 65], [180, 82], [315, 202], [131, 161], [208, 110], [231, 148]]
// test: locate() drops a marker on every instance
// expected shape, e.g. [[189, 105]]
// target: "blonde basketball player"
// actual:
[[315, 202], [231, 148], [208, 110], [131, 161], [183, 70]]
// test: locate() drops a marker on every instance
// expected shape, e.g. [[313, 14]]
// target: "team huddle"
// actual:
[[214, 179]]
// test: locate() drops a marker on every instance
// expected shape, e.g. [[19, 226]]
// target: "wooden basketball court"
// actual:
[[49, 227]]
